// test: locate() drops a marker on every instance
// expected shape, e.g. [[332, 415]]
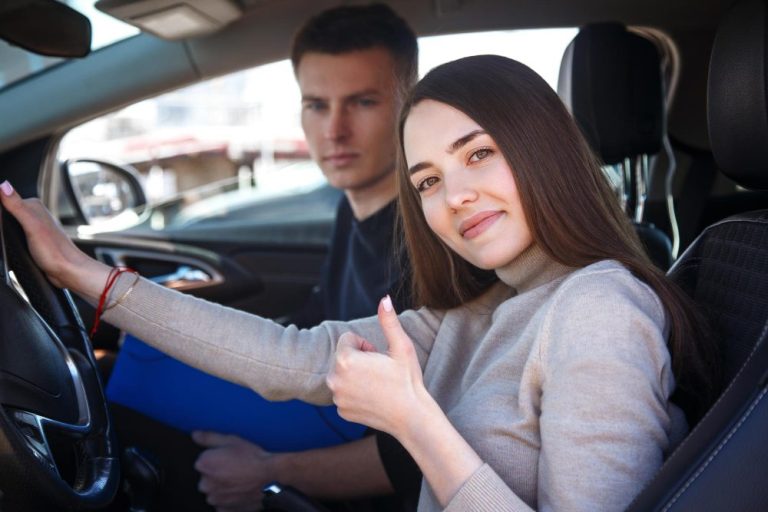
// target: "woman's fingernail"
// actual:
[[387, 303], [6, 187]]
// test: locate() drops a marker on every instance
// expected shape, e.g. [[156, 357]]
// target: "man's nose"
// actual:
[[337, 124]]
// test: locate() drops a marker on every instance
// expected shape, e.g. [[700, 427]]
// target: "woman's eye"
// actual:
[[426, 183], [480, 154]]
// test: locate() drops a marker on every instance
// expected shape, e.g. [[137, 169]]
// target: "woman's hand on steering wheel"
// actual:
[[64, 264]]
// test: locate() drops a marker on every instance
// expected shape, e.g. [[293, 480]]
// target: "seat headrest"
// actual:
[[737, 111], [610, 80]]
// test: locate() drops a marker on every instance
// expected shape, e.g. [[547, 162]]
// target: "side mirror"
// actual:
[[46, 27], [101, 190]]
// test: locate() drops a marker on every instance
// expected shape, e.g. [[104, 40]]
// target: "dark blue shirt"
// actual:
[[364, 263], [361, 267]]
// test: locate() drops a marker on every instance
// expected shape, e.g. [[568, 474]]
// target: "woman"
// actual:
[[544, 384]]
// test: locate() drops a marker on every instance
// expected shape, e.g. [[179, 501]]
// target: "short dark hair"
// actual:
[[361, 27]]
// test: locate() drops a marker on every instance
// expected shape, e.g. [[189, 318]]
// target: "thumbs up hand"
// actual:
[[386, 392], [373, 388]]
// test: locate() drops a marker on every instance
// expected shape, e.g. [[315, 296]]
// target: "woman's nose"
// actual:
[[459, 190]]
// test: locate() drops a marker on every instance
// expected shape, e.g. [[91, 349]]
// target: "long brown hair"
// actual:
[[572, 212]]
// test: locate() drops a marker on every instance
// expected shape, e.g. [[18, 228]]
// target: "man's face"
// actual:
[[348, 115]]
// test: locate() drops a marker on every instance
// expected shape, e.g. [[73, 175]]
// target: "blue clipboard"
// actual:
[[164, 388]]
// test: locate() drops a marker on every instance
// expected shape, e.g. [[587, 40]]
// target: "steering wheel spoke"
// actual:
[[32, 430]]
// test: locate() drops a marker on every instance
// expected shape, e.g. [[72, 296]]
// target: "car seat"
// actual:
[[723, 463], [611, 81]]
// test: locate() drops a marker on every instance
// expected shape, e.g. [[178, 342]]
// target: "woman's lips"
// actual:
[[478, 223]]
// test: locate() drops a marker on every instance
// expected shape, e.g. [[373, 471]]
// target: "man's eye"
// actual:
[[367, 102], [426, 183], [314, 106], [480, 154]]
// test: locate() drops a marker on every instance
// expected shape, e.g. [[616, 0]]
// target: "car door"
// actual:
[[237, 213]]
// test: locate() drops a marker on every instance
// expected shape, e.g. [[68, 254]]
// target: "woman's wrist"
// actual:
[[443, 455], [84, 276], [414, 419]]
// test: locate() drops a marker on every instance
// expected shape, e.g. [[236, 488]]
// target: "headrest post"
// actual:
[[641, 186], [620, 184], [628, 196], [669, 196]]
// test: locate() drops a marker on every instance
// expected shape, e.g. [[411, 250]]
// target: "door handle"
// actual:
[[188, 272], [183, 277]]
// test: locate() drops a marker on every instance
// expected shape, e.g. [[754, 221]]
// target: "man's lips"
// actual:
[[340, 158], [478, 223]]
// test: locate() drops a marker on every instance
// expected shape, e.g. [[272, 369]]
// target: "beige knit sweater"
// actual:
[[559, 378]]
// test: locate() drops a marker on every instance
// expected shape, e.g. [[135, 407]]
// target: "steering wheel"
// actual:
[[57, 446]]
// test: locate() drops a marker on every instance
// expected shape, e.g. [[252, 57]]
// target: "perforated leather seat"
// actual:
[[723, 463]]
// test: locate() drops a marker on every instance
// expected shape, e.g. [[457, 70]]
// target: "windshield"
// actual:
[[16, 64]]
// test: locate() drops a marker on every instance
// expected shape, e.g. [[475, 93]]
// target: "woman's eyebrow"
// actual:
[[418, 167], [452, 148], [460, 142]]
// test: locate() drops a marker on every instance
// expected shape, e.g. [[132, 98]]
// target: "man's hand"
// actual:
[[233, 471]]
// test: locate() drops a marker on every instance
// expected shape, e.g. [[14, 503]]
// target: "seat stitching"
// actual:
[[686, 441], [760, 341], [683, 262], [717, 451]]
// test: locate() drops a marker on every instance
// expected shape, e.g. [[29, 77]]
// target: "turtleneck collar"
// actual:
[[532, 268]]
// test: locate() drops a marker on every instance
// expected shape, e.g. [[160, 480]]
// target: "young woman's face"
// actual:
[[468, 193]]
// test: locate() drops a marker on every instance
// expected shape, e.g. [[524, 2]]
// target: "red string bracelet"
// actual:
[[111, 280]]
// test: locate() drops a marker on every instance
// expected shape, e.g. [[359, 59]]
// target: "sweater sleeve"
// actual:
[[606, 380], [278, 362], [485, 491]]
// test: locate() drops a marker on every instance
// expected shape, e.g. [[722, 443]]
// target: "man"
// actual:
[[351, 64]]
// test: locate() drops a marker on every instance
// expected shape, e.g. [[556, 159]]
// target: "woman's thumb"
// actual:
[[15, 204], [9, 196], [398, 341]]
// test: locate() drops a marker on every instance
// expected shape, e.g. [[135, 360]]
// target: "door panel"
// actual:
[[271, 279]]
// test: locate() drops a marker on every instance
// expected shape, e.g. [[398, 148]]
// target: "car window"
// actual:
[[225, 150]]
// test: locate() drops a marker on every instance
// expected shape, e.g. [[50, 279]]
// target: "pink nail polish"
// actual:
[[6, 187], [387, 303]]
